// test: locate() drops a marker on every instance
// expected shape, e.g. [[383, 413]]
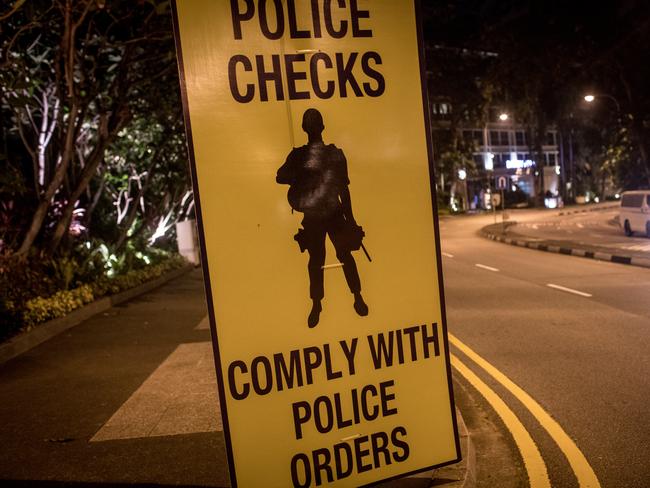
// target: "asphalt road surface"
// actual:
[[594, 230], [570, 334]]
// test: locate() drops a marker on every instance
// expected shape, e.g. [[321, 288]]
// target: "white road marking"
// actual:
[[179, 397], [446, 254], [489, 268], [569, 290]]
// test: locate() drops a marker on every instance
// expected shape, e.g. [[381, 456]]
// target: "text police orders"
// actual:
[[329, 74]]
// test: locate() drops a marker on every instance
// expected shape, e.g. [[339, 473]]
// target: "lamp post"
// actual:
[[589, 98]]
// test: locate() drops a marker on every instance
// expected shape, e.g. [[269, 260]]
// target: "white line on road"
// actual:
[[569, 290], [483, 266], [446, 254]]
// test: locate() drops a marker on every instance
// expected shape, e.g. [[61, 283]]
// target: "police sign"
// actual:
[[311, 165]]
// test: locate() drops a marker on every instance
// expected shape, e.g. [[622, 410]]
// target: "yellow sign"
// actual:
[[312, 174]]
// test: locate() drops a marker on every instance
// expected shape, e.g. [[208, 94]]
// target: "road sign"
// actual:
[[501, 182], [332, 369]]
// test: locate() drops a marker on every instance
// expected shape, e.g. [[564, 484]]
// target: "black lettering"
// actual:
[[355, 406], [386, 411], [299, 419], [306, 470], [293, 76], [293, 373], [359, 454], [400, 346], [410, 332], [340, 422], [331, 374], [397, 442], [311, 364], [232, 78], [275, 75], [329, 26], [382, 353], [264, 21], [338, 460], [238, 16], [372, 73], [322, 427], [255, 376], [231, 380], [313, 69], [294, 32], [357, 14], [315, 17], [346, 76], [428, 339], [322, 465], [369, 414], [349, 352], [379, 441]]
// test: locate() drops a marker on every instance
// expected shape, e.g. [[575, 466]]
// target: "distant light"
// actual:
[[596, 199], [589, 98], [514, 188], [550, 202], [503, 116], [489, 161], [519, 164], [617, 196], [462, 174], [557, 170]]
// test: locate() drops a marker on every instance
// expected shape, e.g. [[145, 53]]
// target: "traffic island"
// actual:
[[505, 233]]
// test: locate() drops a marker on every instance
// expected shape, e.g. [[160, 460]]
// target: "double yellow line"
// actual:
[[535, 466]]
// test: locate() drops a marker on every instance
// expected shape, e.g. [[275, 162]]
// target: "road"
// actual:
[[593, 230], [572, 333]]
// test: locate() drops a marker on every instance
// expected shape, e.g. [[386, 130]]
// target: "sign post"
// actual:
[[310, 152]]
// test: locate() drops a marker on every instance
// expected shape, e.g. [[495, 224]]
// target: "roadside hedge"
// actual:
[[40, 309]]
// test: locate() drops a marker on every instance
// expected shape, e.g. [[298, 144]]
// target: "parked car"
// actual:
[[635, 212]]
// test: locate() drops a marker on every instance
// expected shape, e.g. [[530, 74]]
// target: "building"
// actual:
[[502, 148]]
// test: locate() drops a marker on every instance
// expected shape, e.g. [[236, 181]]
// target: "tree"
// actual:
[[75, 75]]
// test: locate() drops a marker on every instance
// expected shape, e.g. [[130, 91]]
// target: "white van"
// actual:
[[635, 212]]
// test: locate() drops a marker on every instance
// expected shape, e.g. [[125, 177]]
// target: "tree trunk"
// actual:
[[52, 188]]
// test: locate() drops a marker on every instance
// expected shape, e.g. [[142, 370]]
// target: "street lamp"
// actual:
[[589, 98], [503, 117]]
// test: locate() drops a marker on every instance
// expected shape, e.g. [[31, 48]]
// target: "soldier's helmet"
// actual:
[[312, 121]]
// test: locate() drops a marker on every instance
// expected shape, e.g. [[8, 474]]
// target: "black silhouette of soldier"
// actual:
[[318, 177]]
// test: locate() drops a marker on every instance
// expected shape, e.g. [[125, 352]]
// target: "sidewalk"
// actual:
[[128, 397]]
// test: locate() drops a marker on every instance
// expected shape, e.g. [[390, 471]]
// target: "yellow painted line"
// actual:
[[581, 467], [535, 466]]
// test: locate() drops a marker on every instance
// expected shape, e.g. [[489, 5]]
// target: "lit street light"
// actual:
[[503, 116], [589, 98]]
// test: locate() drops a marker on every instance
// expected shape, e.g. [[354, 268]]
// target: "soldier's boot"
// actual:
[[314, 315], [359, 305]]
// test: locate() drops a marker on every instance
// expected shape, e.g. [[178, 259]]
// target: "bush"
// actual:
[[38, 309]]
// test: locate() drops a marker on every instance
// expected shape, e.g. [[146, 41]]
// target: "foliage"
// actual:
[[89, 100], [42, 308]]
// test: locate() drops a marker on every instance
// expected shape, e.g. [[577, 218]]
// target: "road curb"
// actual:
[[24, 342], [589, 209], [547, 246], [463, 473]]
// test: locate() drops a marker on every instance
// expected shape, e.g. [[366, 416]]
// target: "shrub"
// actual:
[[40, 309]]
